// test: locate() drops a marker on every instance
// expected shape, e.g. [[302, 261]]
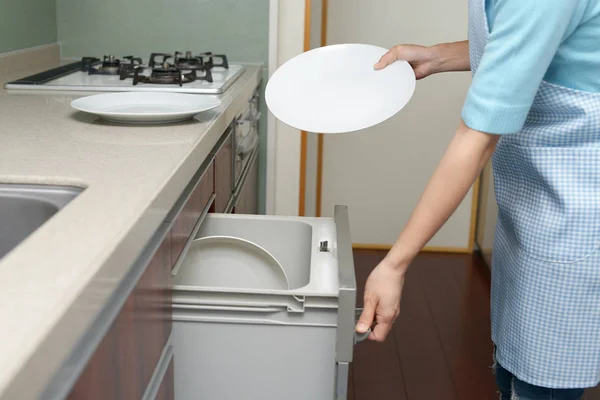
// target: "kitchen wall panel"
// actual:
[[287, 147], [380, 173], [92, 27], [26, 23], [237, 28]]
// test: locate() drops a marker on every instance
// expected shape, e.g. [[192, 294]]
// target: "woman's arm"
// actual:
[[427, 61], [462, 163], [453, 57]]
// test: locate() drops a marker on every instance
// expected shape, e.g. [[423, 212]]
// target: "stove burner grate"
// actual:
[[109, 66], [188, 61], [209, 60], [164, 75]]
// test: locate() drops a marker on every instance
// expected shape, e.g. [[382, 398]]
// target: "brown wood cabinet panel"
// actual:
[[166, 390], [128, 355], [123, 363], [187, 218], [99, 379], [247, 202], [153, 306], [224, 174]]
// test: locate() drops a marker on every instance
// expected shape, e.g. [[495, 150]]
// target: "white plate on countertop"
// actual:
[[335, 89], [145, 107]]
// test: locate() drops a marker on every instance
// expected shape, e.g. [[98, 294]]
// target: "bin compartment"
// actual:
[[289, 241], [259, 342], [230, 262]]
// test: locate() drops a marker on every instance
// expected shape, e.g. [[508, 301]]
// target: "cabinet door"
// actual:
[[247, 202], [123, 363], [186, 220], [224, 163]]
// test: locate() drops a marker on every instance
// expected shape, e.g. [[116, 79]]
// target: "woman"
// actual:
[[534, 104]]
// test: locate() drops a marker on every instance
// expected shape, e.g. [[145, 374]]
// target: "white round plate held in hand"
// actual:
[[336, 89], [145, 107]]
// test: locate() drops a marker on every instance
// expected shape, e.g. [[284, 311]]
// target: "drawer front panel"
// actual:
[[153, 305], [224, 174], [186, 220], [123, 363], [247, 200], [166, 390]]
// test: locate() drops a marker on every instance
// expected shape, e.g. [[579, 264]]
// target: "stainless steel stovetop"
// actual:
[[204, 73]]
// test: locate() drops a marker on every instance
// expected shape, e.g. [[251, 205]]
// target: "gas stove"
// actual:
[[184, 72]]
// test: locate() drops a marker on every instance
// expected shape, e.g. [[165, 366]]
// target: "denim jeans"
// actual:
[[511, 388]]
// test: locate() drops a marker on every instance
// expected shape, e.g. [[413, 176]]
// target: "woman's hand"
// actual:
[[429, 60], [423, 59], [381, 300]]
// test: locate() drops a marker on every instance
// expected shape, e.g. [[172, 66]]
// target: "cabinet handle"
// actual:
[[359, 337]]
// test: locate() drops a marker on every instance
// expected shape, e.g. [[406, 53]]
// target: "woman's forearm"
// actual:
[[452, 57], [462, 163]]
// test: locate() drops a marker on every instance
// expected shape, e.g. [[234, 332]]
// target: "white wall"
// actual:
[[380, 173], [287, 147]]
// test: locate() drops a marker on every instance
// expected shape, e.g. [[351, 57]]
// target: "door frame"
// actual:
[[271, 158]]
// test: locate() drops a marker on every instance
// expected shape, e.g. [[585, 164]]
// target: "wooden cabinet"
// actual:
[[247, 199], [224, 163], [154, 317], [187, 218], [166, 389], [124, 362]]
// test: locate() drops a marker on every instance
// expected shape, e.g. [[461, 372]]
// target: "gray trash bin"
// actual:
[[269, 343]]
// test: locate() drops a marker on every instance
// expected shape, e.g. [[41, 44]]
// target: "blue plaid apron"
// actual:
[[546, 263]]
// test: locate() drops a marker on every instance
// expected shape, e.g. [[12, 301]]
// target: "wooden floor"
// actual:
[[440, 348]]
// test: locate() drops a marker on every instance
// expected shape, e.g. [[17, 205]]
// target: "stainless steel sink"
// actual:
[[24, 208]]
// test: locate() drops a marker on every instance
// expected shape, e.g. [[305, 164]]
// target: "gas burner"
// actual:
[[110, 65], [209, 60], [166, 74], [188, 62]]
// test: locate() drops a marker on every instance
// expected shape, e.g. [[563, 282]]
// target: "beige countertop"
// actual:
[[132, 177]]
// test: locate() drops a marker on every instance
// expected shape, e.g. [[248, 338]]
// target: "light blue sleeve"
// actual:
[[524, 38]]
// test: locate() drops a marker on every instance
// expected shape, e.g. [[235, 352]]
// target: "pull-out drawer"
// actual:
[[284, 338]]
